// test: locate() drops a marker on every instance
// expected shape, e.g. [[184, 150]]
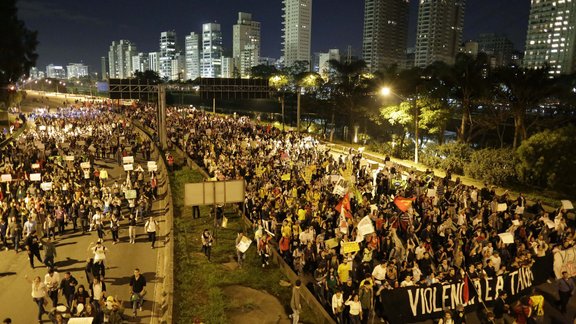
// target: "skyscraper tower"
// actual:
[[193, 51], [120, 59], [211, 59], [297, 30], [246, 44], [385, 32], [551, 37], [167, 54], [439, 31]]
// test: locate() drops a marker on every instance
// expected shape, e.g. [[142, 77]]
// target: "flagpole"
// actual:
[[467, 277]]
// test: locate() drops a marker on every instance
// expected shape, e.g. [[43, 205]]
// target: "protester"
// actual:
[[39, 292], [206, 243], [565, 290], [295, 302], [137, 291], [151, 227]]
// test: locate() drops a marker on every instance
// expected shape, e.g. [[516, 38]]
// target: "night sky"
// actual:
[[71, 31]]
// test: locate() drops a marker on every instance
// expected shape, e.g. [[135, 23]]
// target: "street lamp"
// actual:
[[278, 82], [386, 91]]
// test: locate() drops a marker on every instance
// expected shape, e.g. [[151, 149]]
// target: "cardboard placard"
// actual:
[[502, 207], [153, 168], [46, 186], [36, 166], [128, 167], [81, 143], [567, 204], [519, 210], [331, 243], [130, 194], [285, 177], [42, 127], [69, 158], [128, 159], [103, 174], [35, 177], [150, 163], [507, 238], [349, 247], [85, 165], [6, 178], [244, 244]]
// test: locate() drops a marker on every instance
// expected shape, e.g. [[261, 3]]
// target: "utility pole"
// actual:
[[162, 116]]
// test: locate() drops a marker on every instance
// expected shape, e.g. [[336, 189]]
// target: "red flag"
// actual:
[[344, 206], [403, 203], [466, 290]]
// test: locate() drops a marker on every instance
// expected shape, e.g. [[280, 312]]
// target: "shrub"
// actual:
[[546, 159], [452, 156], [497, 166]]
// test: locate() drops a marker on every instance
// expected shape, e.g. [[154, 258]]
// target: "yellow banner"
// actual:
[[349, 247]]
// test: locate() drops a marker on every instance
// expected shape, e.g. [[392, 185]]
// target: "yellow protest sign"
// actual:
[[103, 174], [349, 247], [259, 171], [285, 177], [331, 243]]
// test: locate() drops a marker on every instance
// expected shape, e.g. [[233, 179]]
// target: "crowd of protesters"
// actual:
[[55, 188], [447, 231]]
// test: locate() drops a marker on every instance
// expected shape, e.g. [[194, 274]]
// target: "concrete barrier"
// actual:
[[164, 297]]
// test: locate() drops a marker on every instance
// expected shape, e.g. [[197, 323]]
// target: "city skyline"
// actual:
[[72, 32]]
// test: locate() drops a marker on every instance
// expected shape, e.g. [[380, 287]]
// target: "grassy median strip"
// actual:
[[198, 291]]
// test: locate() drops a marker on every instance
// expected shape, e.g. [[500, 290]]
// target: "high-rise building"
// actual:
[[324, 68], [76, 70], [498, 48], [211, 60], [192, 49], [120, 59], [439, 31], [140, 62], [34, 72], [55, 71], [245, 44], [154, 61], [103, 68], [551, 37], [178, 67], [385, 33], [228, 67], [297, 30], [167, 54]]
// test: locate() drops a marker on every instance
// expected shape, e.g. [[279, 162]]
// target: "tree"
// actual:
[[148, 76], [263, 71], [523, 89], [546, 160], [17, 47], [467, 82]]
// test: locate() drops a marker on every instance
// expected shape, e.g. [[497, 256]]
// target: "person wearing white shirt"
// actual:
[[407, 282], [379, 272], [38, 294], [52, 283], [338, 305], [355, 308]]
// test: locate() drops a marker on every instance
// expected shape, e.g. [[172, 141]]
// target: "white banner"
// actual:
[[35, 177]]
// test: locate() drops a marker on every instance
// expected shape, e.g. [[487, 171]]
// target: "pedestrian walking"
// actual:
[[39, 292], [115, 228], [239, 254], [137, 291], [33, 249], [207, 240], [99, 251], [15, 232], [151, 228], [68, 288], [264, 249], [98, 292], [295, 302], [49, 252], [52, 283], [565, 290], [132, 228]]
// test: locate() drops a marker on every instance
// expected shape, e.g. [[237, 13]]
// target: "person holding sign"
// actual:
[[151, 227]]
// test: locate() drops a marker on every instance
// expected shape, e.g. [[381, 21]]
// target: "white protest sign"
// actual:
[[519, 210], [151, 163], [128, 159], [36, 166], [365, 226], [244, 244], [550, 223], [46, 186], [85, 165], [42, 127], [69, 158], [153, 168], [341, 187], [6, 178], [130, 194], [507, 238], [502, 207], [567, 204], [128, 167], [35, 177]]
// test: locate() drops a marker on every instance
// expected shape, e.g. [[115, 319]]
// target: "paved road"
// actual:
[[15, 298]]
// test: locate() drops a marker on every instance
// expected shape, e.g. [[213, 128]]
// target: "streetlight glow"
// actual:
[[385, 91]]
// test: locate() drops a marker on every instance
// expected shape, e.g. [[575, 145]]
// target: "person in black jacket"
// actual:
[[33, 248], [500, 307]]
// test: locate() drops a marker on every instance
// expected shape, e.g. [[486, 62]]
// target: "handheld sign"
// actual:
[[130, 194], [46, 186], [35, 177], [85, 165], [69, 158], [6, 178], [128, 159], [128, 167], [567, 204]]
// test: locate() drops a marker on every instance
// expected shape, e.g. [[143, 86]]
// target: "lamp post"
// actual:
[[386, 91]]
